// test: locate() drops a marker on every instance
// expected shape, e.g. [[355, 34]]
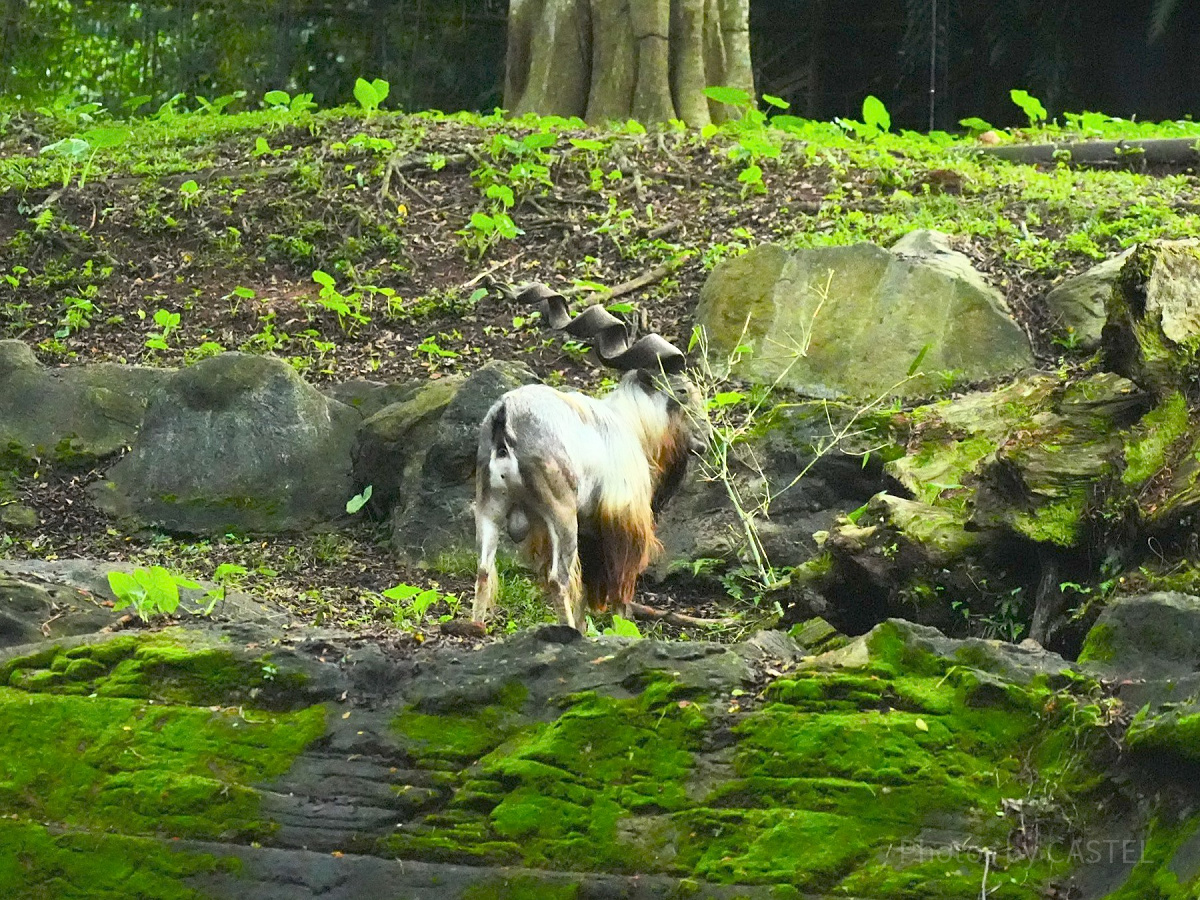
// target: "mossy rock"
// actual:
[[853, 320], [1152, 635], [907, 735], [117, 746], [433, 514], [1152, 335], [1078, 306], [236, 443], [1025, 457], [393, 441], [72, 416], [1159, 485]]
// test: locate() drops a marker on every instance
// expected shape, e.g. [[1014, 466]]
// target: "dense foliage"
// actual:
[[1137, 57]]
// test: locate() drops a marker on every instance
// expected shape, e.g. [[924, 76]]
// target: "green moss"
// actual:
[[556, 794], [137, 733], [459, 738], [143, 768], [1057, 522], [940, 466], [160, 666], [1174, 731], [1148, 444], [38, 865], [1098, 646], [809, 793], [1153, 877]]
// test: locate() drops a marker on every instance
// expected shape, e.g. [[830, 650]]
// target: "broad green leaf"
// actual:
[[483, 223], [875, 114], [364, 93], [1030, 105], [72, 148], [101, 138], [752, 174], [622, 627], [358, 501], [588, 144], [539, 140], [730, 95], [402, 592], [975, 125]]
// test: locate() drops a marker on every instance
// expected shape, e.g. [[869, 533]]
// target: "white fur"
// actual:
[[596, 455]]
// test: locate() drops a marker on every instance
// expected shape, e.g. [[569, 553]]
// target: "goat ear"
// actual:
[[645, 379]]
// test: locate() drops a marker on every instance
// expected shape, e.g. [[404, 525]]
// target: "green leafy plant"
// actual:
[[225, 575], [153, 591], [188, 192], [1030, 105], [875, 120], [215, 107], [754, 141], [411, 603], [370, 94], [347, 307], [83, 148], [622, 627], [358, 501], [167, 323], [282, 101], [69, 151], [77, 312]]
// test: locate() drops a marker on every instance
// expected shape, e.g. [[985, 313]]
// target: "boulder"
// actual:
[[1152, 335], [392, 441], [69, 416], [992, 473], [369, 397], [235, 443], [434, 511], [1153, 636], [1078, 306], [854, 320], [789, 481], [1024, 457]]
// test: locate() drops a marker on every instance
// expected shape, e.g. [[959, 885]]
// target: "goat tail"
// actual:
[[500, 440]]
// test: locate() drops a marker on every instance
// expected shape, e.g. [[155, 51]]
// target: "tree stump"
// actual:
[[613, 60]]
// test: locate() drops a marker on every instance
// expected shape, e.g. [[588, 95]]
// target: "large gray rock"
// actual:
[[1077, 306], [853, 320], [73, 415], [434, 514], [391, 443], [236, 442], [1147, 635]]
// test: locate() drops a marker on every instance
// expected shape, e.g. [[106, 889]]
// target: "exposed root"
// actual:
[[642, 611]]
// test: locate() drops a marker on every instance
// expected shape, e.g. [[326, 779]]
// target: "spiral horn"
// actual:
[[604, 331]]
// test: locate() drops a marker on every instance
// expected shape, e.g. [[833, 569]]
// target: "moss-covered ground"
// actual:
[[892, 779], [113, 749]]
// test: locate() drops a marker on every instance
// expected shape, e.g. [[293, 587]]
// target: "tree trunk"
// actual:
[[617, 59]]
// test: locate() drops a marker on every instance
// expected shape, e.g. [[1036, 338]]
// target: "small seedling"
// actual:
[[153, 591], [358, 501], [370, 94]]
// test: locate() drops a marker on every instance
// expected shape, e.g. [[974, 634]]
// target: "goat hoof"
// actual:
[[464, 628], [558, 634]]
